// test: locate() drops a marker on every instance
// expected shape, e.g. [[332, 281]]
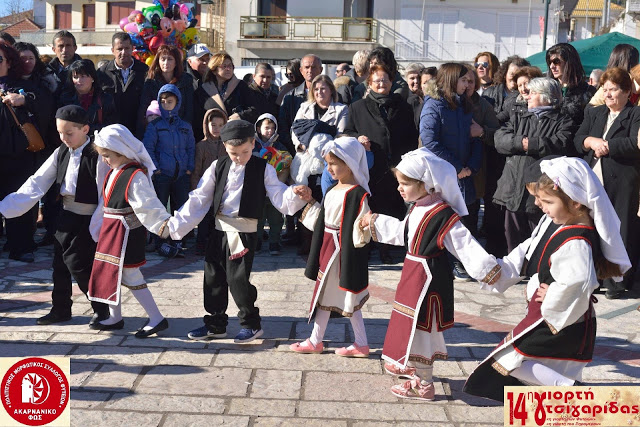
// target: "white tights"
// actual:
[[320, 327], [534, 373]]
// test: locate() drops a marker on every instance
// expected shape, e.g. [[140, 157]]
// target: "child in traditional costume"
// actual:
[[554, 342], [339, 241], [130, 206], [423, 306], [234, 188], [76, 175]]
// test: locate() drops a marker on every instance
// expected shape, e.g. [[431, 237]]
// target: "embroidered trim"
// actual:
[[501, 369], [403, 309], [135, 288], [305, 211], [434, 298], [239, 254], [428, 361], [162, 227], [341, 311], [372, 227], [320, 275], [107, 258], [492, 276], [553, 330], [447, 226]]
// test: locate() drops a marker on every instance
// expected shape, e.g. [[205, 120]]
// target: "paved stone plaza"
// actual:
[[118, 380]]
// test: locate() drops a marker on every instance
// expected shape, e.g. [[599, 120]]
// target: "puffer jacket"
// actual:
[[169, 139], [550, 133], [447, 133]]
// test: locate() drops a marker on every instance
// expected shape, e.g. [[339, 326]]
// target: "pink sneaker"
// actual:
[[414, 389], [356, 351], [407, 373], [306, 347]]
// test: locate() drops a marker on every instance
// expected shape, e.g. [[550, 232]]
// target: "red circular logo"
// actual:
[[35, 391]]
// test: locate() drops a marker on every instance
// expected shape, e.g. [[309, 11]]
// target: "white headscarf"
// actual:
[[120, 139], [580, 183], [354, 155], [436, 173]]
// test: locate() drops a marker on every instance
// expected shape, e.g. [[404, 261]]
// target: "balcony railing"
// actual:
[[308, 28], [83, 37]]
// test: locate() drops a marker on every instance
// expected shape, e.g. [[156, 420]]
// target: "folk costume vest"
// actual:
[[354, 277], [253, 190], [533, 337], [86, 190], [122, 238], [426, 285]]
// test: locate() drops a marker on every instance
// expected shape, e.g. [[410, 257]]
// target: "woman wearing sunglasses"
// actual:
[[565, 66], [486, 65], [16, 163]]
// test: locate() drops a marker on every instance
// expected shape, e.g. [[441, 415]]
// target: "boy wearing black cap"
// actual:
[[75, 171], [237, 208]]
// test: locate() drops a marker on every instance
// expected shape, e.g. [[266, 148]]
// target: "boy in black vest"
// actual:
[[236, 208], [75, 171]]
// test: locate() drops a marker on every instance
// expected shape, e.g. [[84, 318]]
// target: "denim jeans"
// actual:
[[175, 190]]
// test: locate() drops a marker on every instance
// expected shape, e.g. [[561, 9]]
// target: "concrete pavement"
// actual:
[[118, 380]]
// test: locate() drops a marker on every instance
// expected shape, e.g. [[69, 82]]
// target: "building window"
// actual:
[[119, 10], [63, 16], [89, 16], [273, 8]]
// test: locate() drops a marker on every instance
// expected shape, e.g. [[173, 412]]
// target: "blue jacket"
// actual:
[[447, 134], [169, 139]]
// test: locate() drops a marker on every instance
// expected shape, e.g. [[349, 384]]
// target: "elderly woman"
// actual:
[[608, 141], [16, 163], [167, 67], [543, 130], [623, 56], [565, 67], [385, 121], [522, 79], [413, 76]]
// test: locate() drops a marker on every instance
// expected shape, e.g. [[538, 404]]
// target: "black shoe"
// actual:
[[98, 318], [274, 249], [613, 294], [52, 318], [101, 327], [386, 258], [25, 257], [164, 324], [47, 240]]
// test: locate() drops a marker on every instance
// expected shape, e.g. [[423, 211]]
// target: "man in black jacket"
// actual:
[[123, 77], [197, 59], [264, 98], [310, 67], [64, 46]]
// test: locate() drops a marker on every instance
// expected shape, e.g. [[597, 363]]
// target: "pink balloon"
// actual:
[[131, 27], [123, 23], [179, 25]]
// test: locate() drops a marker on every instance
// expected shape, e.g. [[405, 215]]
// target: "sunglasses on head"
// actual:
[[484, 64], [556, 61]]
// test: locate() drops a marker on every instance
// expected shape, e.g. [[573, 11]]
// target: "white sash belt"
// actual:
[[232, 227]]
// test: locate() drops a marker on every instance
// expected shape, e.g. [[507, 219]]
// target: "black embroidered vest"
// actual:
[[253, 190], [86, 189]]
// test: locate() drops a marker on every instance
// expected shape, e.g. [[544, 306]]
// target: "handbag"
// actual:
[[33, 136]]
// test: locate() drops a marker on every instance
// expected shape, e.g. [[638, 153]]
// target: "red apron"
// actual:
[[412, 289], [328, 254], [104, 284]]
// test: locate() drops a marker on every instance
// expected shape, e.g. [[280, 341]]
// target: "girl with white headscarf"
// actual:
[[555, 341], [338, 240], [423, 306], [130, 206]]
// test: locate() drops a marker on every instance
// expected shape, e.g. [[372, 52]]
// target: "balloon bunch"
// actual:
[[166, 22]]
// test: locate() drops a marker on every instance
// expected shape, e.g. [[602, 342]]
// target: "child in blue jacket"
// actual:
[[171, 145]]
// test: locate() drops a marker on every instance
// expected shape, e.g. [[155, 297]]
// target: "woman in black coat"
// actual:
[[384, 120], [86, 92], [16, 163], [608, 141]]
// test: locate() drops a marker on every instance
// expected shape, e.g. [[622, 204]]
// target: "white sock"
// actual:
[[147, 302], [359, 333], [424, 371], [319, 326], [115, 315], [535, 373]]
